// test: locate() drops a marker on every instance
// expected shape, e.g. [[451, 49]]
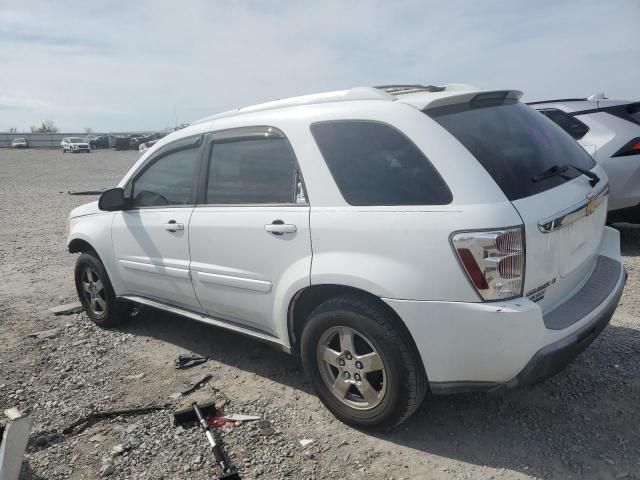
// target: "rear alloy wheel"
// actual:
[[96, 293], [362, 363], [352, 368]]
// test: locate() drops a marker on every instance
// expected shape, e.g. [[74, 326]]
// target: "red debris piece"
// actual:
[[218, 420]]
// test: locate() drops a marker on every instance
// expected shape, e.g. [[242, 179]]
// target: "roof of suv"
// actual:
[[420, 96]]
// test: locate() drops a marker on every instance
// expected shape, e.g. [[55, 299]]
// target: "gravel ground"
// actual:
[[583, 423]]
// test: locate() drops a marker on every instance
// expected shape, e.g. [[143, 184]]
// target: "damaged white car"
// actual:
[[402, 240]]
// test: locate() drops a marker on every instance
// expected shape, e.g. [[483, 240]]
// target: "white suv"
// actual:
[[400, 239], [75, 145]]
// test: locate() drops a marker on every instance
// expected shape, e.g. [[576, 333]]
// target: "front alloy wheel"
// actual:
[[96, 293], [93, 291]]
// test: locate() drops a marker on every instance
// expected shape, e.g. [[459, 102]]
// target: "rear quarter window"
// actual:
[[514, 143], [375, 164]]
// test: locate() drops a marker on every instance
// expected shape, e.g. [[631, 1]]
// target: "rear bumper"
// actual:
[[493, 346], [554, 357]]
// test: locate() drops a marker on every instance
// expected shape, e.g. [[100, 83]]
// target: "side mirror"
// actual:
[[112, 200]]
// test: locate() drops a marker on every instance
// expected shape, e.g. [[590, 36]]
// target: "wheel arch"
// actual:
[[80, 245], [308, 298]]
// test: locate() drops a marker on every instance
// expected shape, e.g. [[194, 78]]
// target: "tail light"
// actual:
[[493, 261], [631, 148]]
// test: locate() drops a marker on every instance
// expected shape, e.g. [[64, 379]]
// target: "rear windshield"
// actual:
[[514, 143]]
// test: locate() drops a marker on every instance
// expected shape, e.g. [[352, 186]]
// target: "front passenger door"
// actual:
[[151, 237]]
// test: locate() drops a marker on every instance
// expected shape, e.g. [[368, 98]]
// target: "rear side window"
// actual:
[[514, 143], [252, 171], [569, 124], [375, 164]]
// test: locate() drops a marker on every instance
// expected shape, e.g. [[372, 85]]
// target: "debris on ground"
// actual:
[[239, 417], [196, 385], [118, 449], [265, 428], [12, 413], [220, 420], [306, 441], [45, 334], [86, 192], [187, 360], [99, 438], [107, 469], [85, 422], [15, 438], [67, 309]]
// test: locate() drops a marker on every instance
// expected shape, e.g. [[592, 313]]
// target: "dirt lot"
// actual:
[[582, 423]]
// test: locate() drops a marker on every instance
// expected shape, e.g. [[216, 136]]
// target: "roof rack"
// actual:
[[355, 93], [404, 89], [557, 100]]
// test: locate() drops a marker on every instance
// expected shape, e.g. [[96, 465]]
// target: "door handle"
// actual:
[[278, 227], [172, 226]]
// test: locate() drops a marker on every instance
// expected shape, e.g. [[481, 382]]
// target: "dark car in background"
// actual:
[[101, 141]]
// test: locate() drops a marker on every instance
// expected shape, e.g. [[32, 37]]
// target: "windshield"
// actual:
[[514, 143], [77, 140]]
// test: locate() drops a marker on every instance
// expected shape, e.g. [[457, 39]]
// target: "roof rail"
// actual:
[[557, 100], [356, 93], [404, 89]]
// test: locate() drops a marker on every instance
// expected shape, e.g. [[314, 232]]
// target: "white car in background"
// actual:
[[75, 145], [401, 239], [19, 143], [143, 147], [610, 131]]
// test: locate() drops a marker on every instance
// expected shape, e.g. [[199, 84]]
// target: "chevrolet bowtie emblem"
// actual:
[[592, 204]]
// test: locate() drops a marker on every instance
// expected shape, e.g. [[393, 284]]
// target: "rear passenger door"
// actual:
[[249, 233]]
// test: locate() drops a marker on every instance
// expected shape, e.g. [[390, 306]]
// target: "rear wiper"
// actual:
[[561, 170]]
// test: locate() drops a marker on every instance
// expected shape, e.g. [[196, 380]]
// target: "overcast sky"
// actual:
[[123, 65]]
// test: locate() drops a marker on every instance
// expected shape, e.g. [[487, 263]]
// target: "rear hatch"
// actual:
[[563, 211]]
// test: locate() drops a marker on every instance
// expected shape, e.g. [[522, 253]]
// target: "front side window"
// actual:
[[375, 164], [167, 181], [253, 171]]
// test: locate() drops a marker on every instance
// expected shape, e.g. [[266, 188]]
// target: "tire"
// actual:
[[399, 386], [96, 293], [63, 150]]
